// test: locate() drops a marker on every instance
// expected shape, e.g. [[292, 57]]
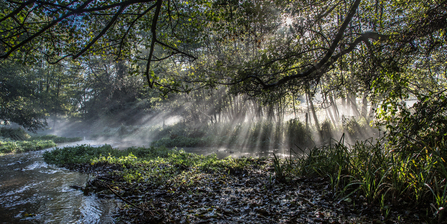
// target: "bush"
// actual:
[[326, 131], [424, 126], [76, 154], [16, 134], [298, 134]]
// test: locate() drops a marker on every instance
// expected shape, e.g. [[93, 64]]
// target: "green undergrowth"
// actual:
[[16, 134], [157, 165], [56, 139], [260, 135], [368, 173], [9, 146], [17, 140], [365, 173]]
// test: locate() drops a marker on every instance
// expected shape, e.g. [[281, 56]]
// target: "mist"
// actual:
[[234, 126]]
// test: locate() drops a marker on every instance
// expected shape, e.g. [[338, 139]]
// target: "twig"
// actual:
[[128, 202]]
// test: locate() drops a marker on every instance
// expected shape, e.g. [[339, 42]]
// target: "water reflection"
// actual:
[[32, 191]]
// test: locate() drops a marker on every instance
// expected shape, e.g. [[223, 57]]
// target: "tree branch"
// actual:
[[154, 38], [15, 12], [30, 38], [120, 4], [329, 53], [130, 26], [175, 49], [103, 31]]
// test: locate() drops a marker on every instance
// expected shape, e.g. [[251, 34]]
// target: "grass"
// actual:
[[368, 172]]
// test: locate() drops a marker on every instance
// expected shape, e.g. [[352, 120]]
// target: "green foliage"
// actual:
[[423, 126], [283, 168], [24, 146], [18, 100], [357, 128], [157, 165], [379, 175], [298, 134], [16, 134], [260, 134], [75, 154], [16, 140], [326, 129]]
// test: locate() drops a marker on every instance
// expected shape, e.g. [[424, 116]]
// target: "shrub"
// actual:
[[326, 131], [382, 176], [17, 134], [298, 134], [424, 126]]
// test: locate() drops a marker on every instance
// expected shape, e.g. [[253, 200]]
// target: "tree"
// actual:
[[64, 29], [256, 47], [19, 101]]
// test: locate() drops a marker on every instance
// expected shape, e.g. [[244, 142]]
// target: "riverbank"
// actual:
[[161, 185], [17, 140]]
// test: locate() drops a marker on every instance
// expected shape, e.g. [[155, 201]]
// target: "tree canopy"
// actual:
[[260, 48], [315, 34]]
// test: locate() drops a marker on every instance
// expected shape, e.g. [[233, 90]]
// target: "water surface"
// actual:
[[32, 191]]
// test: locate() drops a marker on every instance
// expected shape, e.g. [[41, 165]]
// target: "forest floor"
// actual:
[[239, 195]]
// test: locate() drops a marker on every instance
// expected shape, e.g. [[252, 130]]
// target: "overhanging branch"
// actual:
[[154, 38], [103, 31]]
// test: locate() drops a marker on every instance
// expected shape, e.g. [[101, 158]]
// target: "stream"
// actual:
[[31, 191]]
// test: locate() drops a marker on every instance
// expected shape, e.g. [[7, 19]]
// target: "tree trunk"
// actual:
[[312, 109], [329, 110], [365, 106], [352, 98], [335, 108]]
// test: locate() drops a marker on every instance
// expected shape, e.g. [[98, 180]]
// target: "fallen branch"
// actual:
[[128, 202]]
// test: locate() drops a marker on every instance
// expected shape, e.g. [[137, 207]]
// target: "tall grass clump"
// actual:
[[406, 167], [369, 171]]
